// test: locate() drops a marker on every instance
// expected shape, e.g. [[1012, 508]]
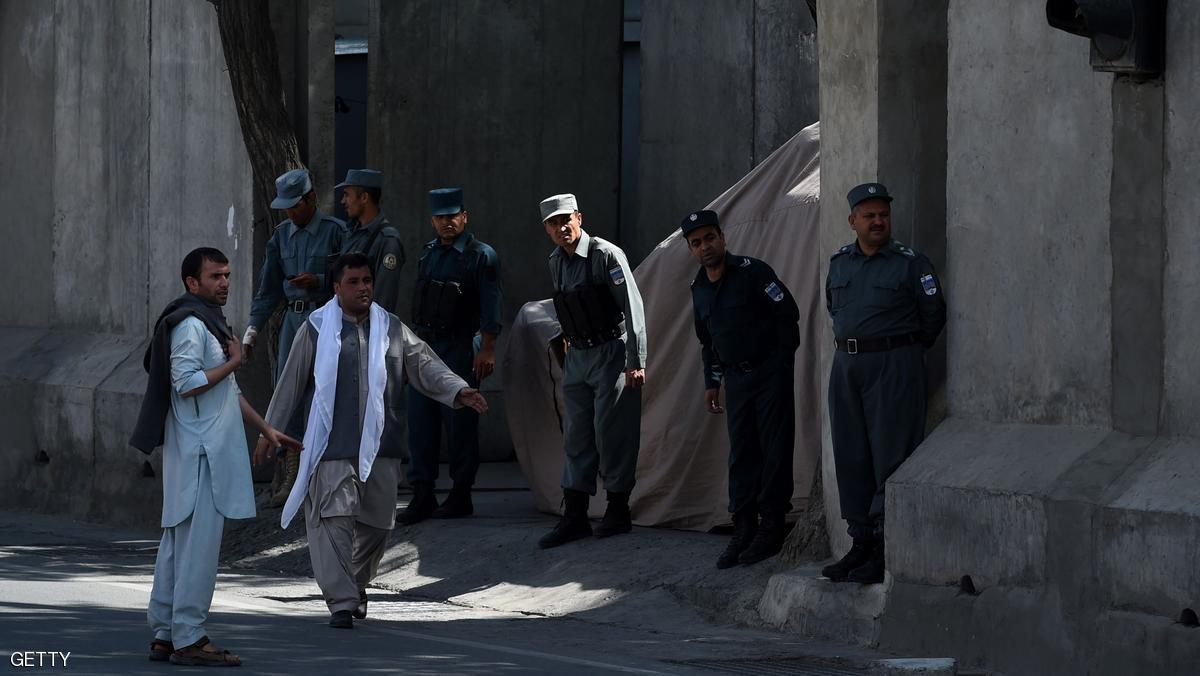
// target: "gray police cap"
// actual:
[[290, 187], [362, 178], [558, 204], [867, 191]]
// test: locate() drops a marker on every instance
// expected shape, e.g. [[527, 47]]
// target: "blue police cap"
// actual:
[[362, 178], [867, 191], [445, 201], [699, 219], [290, 187]]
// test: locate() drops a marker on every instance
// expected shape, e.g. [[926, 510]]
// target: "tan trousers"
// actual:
[[348, 523]]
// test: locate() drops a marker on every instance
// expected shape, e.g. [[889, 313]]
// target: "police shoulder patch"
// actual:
[[389, 261], [774, 292], [617, 275], [745, 263], [929, 284]]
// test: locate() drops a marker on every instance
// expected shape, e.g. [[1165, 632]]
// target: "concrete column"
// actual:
[[883, 117], [1137, 241]]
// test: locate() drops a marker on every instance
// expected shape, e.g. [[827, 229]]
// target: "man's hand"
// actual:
[[471, 398], [712, 401], [248, 340], [485, 362], [635, 377], [233, 350], [305, 280], [272, 439]]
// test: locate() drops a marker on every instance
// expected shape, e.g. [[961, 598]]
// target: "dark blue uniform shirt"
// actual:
[[473, 264], [746, 316], [895, 292]]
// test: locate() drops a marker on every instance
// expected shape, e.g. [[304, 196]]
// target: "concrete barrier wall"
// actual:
[[124, 153]]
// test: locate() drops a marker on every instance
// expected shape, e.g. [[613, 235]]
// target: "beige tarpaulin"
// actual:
[[771, 214]]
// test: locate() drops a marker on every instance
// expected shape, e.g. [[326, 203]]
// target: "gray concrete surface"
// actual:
[[67, 586]]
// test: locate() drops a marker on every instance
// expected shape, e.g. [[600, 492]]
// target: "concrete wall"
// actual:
[[1027, 196], [131, 155], [724, 83], [1060, 484]]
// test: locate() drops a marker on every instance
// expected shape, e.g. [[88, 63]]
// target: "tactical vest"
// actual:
[[447, 310], [589, 316]]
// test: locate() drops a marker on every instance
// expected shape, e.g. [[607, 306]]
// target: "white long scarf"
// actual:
[[328, 322]]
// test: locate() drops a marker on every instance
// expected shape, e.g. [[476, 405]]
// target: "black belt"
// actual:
[[302, 306], [745, 366], [856, 345], [594, 340]]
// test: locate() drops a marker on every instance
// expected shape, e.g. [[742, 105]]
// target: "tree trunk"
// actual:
[[809, 541], [253, 63]]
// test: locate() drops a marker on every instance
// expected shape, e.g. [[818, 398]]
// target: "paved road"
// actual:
[[70, 588]]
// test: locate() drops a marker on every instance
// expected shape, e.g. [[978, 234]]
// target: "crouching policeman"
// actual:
[[747, 322]]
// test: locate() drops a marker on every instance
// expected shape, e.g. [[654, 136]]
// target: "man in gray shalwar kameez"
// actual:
[[350, 381]]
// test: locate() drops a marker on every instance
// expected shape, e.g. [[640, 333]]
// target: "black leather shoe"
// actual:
[[859, 554], [420, 507], [870, 572], [341, 619], [360, 613], [745, 525], [616, 519], [574, 522], [767, 541], [457, 504]]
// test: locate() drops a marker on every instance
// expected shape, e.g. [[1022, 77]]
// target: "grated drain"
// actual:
[[783, 666]]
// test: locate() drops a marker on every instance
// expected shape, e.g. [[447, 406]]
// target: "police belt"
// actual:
[[302, 306], [745, 366], [856, 345], [595, 340]]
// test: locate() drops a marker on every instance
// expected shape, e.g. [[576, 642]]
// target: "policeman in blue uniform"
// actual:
[[457, 295], [369, 232], [747, 323], [600, 311], [887, 308], [293, 273]]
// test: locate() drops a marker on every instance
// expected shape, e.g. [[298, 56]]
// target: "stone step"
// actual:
[[803, 602]]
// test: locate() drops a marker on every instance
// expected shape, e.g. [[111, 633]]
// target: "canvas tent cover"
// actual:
[[771, 214]]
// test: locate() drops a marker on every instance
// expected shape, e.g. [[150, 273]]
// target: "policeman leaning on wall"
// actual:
[[747, 323], [368, 232], [600, 311], [294, 274], [457, 295], [887, 309]]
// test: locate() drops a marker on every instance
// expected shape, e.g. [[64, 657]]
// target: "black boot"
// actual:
[[574, 522], [457, 504], [870, 572], [360, 613], [767, 541], [341, 619], [420, 507], [616, 519], [745, 525], [860, 553]]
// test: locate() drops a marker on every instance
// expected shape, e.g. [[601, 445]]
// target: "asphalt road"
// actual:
[[69, 588]]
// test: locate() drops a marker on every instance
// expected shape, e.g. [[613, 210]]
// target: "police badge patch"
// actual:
[[774, 292], [618, 275], [929, 285], [389, 261]]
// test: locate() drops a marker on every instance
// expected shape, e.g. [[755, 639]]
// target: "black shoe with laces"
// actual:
[[860, 553], [745, 525], [456, 505], [360, 613], [617, 518], [870, 572], [574, 522], [768, 540], [420, 507]]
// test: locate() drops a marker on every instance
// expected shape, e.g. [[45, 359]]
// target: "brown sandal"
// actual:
[[160, 650], [196, 656]]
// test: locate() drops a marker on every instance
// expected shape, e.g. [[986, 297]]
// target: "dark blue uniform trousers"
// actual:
[[426, 418], [877, 418], [761, 414]]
